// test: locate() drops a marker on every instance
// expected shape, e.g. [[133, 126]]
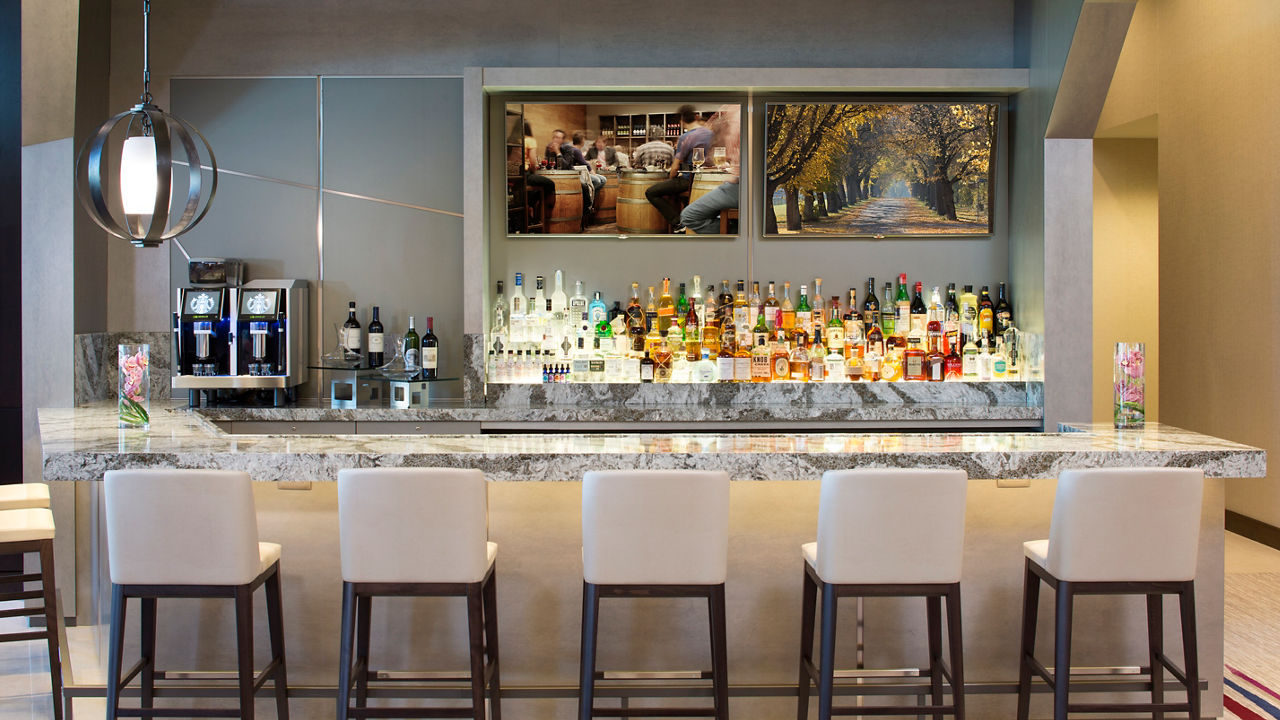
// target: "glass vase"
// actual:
[[133, 391], [1130, 385]]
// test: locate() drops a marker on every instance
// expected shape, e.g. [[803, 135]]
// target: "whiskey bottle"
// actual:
[[870, 306], [742, 362], [651, 310], [754, 301], [1004, 312], [760, 369], [692, 335], [968, 318], [724, 358], [799, 363], [741, 315], [646, 368], [771, 308], [635, 320], [804, 312], [835, 328], [666, 307], [913, 359], [934, 360], [817, 309], [788, 310], [919, 313], [902, 320], [780, 359], [950, 321], [761, 329], [817, 358], [661, 362]]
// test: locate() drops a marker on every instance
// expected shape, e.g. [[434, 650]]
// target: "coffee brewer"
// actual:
[[241, 344]]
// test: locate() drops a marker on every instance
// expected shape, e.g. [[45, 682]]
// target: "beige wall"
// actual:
[[545, 118], [48, 69], [1126, 253], [1207, 71]]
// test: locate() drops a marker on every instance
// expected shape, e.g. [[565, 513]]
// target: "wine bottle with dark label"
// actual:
[[376, 341], [430, 351]]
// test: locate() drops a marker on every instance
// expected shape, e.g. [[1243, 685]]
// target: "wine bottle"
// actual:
[[919, 313], [430, 351], [870, 306], [376, 341], [351, 335], [413, 350]]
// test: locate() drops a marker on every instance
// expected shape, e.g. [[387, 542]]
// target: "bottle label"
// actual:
[[581, 366], [351, 338], [411, 358], [817, 370], [742, 369], [759, 366], [724, 368], [782, 367], [646, 371], [376, 342], [740, 317], [596, 365], [429, 358], [788, 320], [662, 373], [915, 366]]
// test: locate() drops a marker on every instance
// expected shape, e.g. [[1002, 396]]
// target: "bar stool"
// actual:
[[886, 533], [31, 530], [654, 533], [189, 534], [420, 532], [20, 496], [1117, 531]]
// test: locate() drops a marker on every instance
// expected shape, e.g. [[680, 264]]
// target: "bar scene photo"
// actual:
[[407, 360]]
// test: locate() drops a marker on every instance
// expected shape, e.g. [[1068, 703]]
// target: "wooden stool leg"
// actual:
[[345, 649], [275, 625], [364, 614], [1030, 613], [1191, 659], [475, 628], [119, 605], [808, 613], [955, 640], [933, 605], [1155, 645], [827, 654], [1062, 650], [587, 670], [148, 675], [244, 650], [491, 643], [48, 582], [719, 651]]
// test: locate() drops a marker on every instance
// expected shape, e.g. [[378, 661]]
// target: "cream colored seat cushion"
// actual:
[[26, 524], [1037, 551], [24, 495], [268, 554], [810, 552]]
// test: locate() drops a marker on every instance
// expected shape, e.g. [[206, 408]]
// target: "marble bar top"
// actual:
[[82, 443]]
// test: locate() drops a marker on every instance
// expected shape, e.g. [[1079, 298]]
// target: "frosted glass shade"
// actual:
[[138, 182]]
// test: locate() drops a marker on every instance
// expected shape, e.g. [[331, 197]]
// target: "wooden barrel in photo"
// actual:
[[635, 213], [607, 199], [705, 182], [566, 217]]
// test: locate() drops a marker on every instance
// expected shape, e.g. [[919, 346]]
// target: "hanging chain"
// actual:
[[146, 52]]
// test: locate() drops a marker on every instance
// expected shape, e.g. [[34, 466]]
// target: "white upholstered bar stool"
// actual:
[[23, 531], [21, 496], [886, 533], [420, 532], [1117, 531], [654, 533], [189, 534]]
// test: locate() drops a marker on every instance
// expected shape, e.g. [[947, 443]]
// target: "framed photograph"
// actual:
[[881, 169]]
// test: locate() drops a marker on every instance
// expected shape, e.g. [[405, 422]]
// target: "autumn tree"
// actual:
[[803, 143], [944, 144]]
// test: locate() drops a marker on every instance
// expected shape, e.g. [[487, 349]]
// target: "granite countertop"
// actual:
[[81, 443]]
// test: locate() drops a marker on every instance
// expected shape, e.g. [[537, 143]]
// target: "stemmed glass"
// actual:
[[699, 158]]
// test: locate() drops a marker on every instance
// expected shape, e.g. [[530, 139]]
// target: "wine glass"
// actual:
[[699, 158], [719, 158]]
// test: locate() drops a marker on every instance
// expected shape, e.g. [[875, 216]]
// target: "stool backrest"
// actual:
[[181, 527], [891, 526], [1126, 524], [655, 527], [413, 525]]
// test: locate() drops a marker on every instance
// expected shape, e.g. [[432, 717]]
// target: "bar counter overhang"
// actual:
[[535, 519]]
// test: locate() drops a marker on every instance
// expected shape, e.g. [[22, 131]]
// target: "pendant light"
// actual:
[[151, 140]]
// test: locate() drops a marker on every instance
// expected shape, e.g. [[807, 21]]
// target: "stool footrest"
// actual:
[[24, 595], [28, 577], [411, 676], [653, 712], [654, 675], [1128, 707], [178, 712], [21, 612], [895, 710], [404, 712], [33, 635], [881, 673]]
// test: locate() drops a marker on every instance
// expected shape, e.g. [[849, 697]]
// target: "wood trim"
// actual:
[[1253, 529]]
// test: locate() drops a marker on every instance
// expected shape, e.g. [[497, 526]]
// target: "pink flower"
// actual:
[[1133, 363], [1130, 392]]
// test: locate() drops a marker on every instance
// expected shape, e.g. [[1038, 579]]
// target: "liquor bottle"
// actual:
[[986, 313], [351, 335], [788, 310], [692, 335], [581, 364], [854, 366], [711, 323], [646, 368], [538, 308], [919, 313], [870, 306], [913, 359], [902, 321], [799, 362], [804, 313], [985, 361], [835, 370], [950, 320], [935, 361], [761, 329], [516, 317], [933, 325], [780, 358], [817, 358], [704, 371], [1004, 312], [651, 310], [853, 330], [754, 301], [559, 301], [652, 340], [968, 317], [999, 367], [595, 364], [871, 364], [376, 339], [875, 340], [816, 307], [666, 307], [500, 313], [969, 360], [695, 296], [577, 303], [741, 315], [952, 365], [724, 358], [771, 308], [835, 328], [661, 362], [742, 361], [891, 365], [760, 371], [616, 311], [412, 350], [725, 301], [595, 310], [682, 306], [430, 351], [635, 319], [888, 312], [675, 343]]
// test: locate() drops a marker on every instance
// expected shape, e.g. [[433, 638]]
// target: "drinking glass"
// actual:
[[719, 158], [699, 158]]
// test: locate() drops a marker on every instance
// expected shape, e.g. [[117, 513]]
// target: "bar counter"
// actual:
[[535, 519]]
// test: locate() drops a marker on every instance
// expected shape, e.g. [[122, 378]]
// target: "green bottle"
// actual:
[[682, 305]]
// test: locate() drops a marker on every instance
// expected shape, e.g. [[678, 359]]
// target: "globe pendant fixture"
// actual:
[[154, 142]]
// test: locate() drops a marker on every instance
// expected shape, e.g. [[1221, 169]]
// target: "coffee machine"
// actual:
[[242, 343]]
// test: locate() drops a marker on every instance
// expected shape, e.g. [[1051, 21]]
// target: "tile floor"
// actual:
[[24, 679]]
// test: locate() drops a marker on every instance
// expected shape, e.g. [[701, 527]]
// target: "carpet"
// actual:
[[1251, 687]]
